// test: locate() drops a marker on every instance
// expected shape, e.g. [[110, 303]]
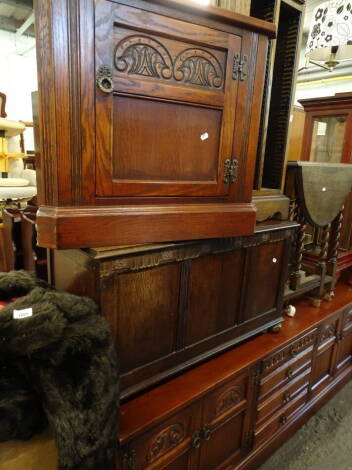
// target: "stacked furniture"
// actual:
[[148, 150], [156, 133]]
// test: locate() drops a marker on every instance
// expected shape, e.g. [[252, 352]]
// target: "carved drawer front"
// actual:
[[283, 396], [290, 353], [280, 419], [285, 374], [165, 443]]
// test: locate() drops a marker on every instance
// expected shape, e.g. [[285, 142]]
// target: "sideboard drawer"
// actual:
[[283, 396], [280, 419], [289, 353], [285, 374]]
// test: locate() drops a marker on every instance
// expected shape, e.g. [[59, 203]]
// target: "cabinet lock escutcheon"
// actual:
[[230, 170], [104, 79]]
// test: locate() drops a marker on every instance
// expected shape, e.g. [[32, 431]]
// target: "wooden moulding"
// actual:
[[70, 227]]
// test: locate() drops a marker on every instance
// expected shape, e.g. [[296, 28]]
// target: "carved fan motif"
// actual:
[[228, 399], [198, 67], [142, 55], [166, 440], [145, 56]]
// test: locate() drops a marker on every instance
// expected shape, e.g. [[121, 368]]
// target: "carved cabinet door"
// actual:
[[225, 425], [170, 100], [344, 338], [325, 355]]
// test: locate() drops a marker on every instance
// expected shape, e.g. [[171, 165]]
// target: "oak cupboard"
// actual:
[[149, 120], [174, 305], [235, 410]]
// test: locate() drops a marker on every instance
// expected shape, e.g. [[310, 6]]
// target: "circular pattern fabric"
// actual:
[[331, 26]]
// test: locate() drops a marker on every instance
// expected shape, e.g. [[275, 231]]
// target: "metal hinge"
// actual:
[[240, 64], [230, 170], [129, 459]]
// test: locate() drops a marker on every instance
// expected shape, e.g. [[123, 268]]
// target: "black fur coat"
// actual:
[[59, 366]]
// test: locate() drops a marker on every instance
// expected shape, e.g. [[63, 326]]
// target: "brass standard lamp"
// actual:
[[330, 35]]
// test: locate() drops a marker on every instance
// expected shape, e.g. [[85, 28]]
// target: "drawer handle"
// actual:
[[104, 79], [206, 432], [196, 440], [283, 419], [293, 352], [287, 397], [289, 374]]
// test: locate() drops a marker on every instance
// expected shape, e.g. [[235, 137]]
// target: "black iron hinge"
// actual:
[[230, 170], [240, 65]]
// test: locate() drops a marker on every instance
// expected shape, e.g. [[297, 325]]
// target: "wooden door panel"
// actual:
[[265, 264], [324, 361], [166, 128], [214, 294], [145, 152], [148, 309], [169, 444], [344, 350], [225, 442]]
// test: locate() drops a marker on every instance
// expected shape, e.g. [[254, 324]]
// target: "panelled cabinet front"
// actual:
[[166, 105], [210, 434], [158, 121]]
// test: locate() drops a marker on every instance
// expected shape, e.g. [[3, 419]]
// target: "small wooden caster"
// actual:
[[276, 328], [316, 302]]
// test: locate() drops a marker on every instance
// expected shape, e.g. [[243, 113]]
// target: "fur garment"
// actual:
[[64, 353]]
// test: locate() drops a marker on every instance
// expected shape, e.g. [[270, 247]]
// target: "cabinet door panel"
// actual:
[[166, 128], [214, 294], [344, 349], [265, 264], [224, 444], [147, 315], [323, 363], [225, 424], [169, 444]]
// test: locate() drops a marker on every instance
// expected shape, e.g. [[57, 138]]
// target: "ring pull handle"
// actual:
[[206, 433], [104, 79], [196, 440], [289, 374], [287, 397]]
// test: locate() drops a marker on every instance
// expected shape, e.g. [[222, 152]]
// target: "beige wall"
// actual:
[[239, 6]]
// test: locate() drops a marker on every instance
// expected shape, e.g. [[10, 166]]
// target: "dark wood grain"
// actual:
[[224, 389], [175, 305]]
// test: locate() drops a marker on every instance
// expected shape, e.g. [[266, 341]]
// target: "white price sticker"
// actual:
[[25, 313]]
